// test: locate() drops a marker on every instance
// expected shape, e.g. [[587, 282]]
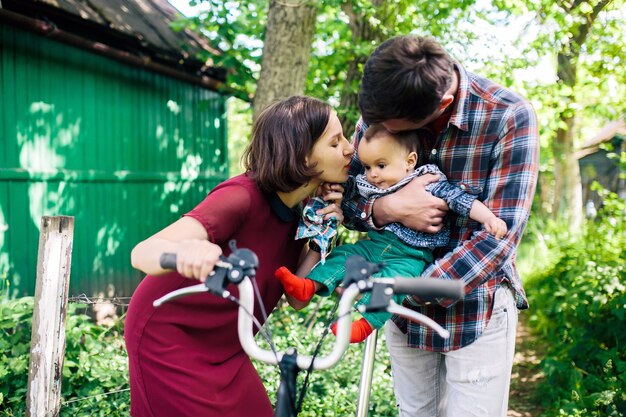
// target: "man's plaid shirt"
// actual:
[[490, 147]]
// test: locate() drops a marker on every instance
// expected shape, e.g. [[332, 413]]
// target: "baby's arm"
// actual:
[[493, 224], [468, 205]]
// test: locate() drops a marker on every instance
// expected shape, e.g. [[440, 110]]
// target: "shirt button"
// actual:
[[433, 152], [363, 215], [463, 187]]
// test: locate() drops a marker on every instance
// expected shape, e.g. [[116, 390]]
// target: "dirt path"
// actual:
[[526, 374]]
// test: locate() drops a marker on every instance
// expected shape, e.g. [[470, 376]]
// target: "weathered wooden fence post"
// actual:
[[47, 346]]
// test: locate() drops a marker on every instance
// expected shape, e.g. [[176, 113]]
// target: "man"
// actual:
[[484, 138]]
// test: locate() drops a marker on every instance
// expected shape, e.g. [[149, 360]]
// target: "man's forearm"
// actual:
[[380, 214]]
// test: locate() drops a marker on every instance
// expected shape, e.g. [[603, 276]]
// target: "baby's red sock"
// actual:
[[359, 332], [302, 289]]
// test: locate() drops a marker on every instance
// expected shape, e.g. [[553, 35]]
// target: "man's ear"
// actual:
[[411, 160], [446, 100]]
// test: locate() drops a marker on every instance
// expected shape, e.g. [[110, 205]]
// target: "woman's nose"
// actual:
[[349, 151]]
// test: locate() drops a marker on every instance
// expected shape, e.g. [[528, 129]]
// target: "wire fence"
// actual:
[[84, 299], [112, 307]]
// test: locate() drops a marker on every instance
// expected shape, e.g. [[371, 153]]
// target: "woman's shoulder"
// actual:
[[243, 182], [227, 203]]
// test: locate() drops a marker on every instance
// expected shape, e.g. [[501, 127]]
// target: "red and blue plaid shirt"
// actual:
[[490, 147]]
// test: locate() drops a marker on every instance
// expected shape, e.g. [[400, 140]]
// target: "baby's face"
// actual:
[[385, 161]]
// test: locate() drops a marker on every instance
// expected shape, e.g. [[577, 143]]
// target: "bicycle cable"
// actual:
[[257, 323], [257, 294], [316, 352], [267, 335]]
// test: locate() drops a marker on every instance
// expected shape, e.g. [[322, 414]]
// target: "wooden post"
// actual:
[[47, 346]]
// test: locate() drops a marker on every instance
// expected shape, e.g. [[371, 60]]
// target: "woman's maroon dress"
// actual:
[[185, 358]]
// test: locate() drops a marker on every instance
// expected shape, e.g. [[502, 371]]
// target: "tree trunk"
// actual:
[[362, 30], [286, 51], [568, 204]]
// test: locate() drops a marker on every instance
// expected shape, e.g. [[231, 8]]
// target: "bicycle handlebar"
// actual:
[[427, 288], [233, 273], [168, 261]]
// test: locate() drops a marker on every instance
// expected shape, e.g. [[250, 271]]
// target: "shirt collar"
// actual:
[[283, 212], [459, 115]]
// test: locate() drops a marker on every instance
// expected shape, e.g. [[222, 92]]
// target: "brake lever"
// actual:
[[228, 270], [409, 314], [194, 289]]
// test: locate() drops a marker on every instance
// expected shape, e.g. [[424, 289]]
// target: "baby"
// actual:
[[389, 162]]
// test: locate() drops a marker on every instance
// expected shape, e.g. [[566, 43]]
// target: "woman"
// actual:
[[184, 357]]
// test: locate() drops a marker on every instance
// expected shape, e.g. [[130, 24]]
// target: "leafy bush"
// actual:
[[95, 363], [579, 307], [15, 332]]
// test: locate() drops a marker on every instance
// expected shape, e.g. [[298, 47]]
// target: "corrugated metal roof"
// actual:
[[141, 27]]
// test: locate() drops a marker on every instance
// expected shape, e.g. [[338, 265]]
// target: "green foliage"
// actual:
[[346, 33], [95, 363], [588, 36], [239, 130], [15, 332], [579, 307], [541, 244], [237, 30]]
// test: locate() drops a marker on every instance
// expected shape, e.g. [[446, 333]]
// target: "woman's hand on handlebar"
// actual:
[[196, 258], [188, 239]]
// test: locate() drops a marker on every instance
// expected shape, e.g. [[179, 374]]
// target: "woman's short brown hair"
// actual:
[[282, 137]]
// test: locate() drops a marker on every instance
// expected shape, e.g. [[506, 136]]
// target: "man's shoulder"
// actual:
[[487, 90]]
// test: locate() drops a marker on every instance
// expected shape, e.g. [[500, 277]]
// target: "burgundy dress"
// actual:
[[185, 358]]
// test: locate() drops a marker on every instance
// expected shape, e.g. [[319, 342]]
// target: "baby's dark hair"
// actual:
[[407, 138]]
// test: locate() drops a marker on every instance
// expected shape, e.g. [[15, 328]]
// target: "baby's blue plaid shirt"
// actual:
[[458, 200]]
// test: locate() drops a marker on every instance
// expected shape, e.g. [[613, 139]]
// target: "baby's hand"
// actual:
[[333, 193], [496, 227]]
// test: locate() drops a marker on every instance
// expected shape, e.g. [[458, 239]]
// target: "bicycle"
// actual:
[[239, 268]]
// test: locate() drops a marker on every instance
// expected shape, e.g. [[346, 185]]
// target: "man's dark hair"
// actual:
[[282, 137], [405, 78], [407, 138]]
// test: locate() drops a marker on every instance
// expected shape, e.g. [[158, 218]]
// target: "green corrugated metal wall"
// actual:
[[124, 150]]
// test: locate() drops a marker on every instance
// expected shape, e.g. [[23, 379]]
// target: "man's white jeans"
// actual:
[[471, 381]]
